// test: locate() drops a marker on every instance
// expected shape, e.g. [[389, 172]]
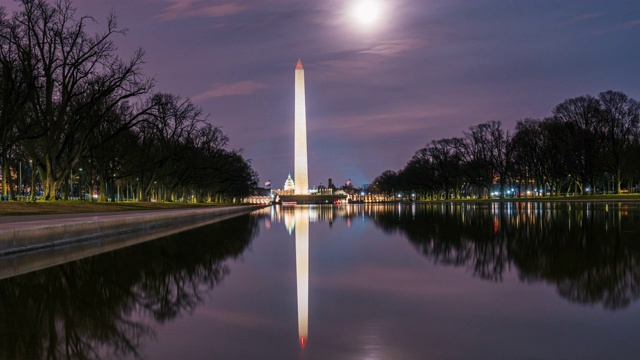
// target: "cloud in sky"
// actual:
[[218, 10], [583, 18], [631, 24], [343, 69], [236, 88], [195, 8], [177, 9], [380, 125], [395, 47]]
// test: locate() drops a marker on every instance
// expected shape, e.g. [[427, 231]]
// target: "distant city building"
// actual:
[[331, 185], [323, 190]]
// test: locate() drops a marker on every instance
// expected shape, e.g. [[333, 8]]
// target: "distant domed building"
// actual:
[[289, 185]]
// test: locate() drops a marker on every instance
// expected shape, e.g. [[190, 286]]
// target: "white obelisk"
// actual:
[[302, 272], [300, 171]]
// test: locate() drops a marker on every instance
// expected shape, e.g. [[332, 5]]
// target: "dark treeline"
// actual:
[[589, 145], [76, 119], [105, 306], [589, 252]]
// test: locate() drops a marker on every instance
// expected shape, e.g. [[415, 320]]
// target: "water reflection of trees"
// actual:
[[101, 306], [588, 251]]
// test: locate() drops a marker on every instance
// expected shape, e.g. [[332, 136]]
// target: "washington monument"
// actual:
[[300, 171]]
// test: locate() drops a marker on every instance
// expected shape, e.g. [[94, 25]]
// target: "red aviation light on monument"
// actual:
[[299, 64], [303, 342]]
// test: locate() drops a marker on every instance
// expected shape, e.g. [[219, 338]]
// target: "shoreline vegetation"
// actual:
[[18, 208], [571, 198]]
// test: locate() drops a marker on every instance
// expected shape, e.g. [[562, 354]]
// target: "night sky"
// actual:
[[376, 92]]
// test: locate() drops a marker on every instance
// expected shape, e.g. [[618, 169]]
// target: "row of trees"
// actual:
[[589, 145], [76, 119]]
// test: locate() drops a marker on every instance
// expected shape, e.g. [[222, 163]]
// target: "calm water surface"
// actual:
[[453, 281]]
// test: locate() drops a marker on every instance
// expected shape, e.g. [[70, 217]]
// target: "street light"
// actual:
[[81, 186], [32, 196], [20, 171]]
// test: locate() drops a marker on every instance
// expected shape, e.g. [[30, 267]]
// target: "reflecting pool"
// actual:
[[404, 281]]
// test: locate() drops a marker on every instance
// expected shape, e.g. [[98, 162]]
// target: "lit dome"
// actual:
[[288, 185]]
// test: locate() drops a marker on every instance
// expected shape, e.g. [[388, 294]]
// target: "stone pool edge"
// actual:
[[42, 235]]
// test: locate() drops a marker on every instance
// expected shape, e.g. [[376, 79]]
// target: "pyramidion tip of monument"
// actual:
[[299, 64]]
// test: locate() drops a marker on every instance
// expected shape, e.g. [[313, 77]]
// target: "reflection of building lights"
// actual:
[[289, 221]]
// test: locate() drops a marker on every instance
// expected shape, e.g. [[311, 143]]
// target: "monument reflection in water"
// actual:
[[299, 220]]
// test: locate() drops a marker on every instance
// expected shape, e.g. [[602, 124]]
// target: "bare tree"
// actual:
[[582, 114], [387, 182], [169, 125], [447, 158], [78, 81], [15, 93], [419, 174], [620, 116], [477, 157]]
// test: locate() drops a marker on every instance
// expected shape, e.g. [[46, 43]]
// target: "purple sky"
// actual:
[[427, 70]]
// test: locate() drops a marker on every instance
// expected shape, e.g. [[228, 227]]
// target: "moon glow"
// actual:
[[367, 12]]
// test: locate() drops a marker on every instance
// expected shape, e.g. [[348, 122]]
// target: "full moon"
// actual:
[[367, 11]]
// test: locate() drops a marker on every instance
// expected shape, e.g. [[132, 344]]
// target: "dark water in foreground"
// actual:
[[460, 281]]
